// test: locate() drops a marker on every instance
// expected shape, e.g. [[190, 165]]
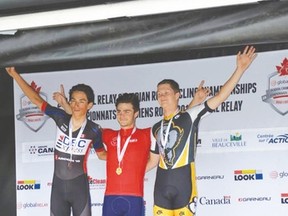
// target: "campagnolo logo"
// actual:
[[277, 92], [30, 114]]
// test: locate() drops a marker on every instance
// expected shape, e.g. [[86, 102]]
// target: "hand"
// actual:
[[11, 70], [246, 58], [201, 93], [60, 97]]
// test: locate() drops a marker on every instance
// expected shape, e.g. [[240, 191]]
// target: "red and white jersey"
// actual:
[[133, 164]]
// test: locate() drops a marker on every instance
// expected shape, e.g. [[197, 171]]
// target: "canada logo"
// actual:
[[30, 114], [277, 92]]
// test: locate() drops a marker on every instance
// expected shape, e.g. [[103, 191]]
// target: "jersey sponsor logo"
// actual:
[[174, 140], [114, 141], [248, 175], [30, 114], [277, 93], [193, 205], [28, 185], [63, 145]]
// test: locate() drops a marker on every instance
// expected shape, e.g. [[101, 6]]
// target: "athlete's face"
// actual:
[[126, 116], [79, 103], [166, 96]]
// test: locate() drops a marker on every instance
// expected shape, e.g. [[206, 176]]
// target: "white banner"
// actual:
[[242, 147]]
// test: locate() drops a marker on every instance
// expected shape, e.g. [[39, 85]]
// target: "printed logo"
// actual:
[[77, 147], [32, 205], [274, 174], [281, 175], [254, 199], [273, 139], [211, 177], [37, 151], [248, 175], [284, 198], [235, 140], [192, 205], [28, 185], [282, 138], [40, 150], [277, 92], [30, 114], [264, 137], [215, 201], [96, 183]]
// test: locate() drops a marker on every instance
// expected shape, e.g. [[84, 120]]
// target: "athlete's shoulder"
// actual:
[[144, 130], [156, 125], [53, 111], [94, 126], [109, 131]]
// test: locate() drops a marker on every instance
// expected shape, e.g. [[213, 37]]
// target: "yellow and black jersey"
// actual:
[[179, 150]]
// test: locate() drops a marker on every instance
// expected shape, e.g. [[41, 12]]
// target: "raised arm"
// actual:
[[244, 60], [200, 95], [61, 99], [30, 92]]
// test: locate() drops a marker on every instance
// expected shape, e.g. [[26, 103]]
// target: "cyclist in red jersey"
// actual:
[[128, 151], [75, 136]]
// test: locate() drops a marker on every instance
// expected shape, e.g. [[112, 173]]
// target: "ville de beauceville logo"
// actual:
[[277, 92], [30, 114]]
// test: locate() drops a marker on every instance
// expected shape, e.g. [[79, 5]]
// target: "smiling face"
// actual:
[[79, 104], [126, 116]]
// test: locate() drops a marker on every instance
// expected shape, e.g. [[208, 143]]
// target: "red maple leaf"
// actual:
[[35, 87], [283, 69]]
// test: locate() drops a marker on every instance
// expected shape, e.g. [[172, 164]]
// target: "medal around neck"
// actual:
[[118, 171], [120, 153]]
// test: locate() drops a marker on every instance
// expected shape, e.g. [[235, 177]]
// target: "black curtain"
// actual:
[[165, 37]]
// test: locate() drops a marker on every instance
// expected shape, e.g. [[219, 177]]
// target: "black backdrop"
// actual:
[[156, 38]]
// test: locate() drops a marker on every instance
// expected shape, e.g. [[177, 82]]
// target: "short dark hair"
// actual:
[[173, 84], [83, 88], [129, 98]]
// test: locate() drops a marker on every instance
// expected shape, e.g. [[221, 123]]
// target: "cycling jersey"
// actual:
[[131, 180], [70, 170], [176, 171]]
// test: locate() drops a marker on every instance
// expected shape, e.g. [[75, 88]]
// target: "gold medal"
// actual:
[[119, 171]]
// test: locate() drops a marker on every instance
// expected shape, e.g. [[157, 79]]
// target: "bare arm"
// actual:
[[33, 95], [152, 161], [200, 95], [102, 155], [61, 99], [244, 60]]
